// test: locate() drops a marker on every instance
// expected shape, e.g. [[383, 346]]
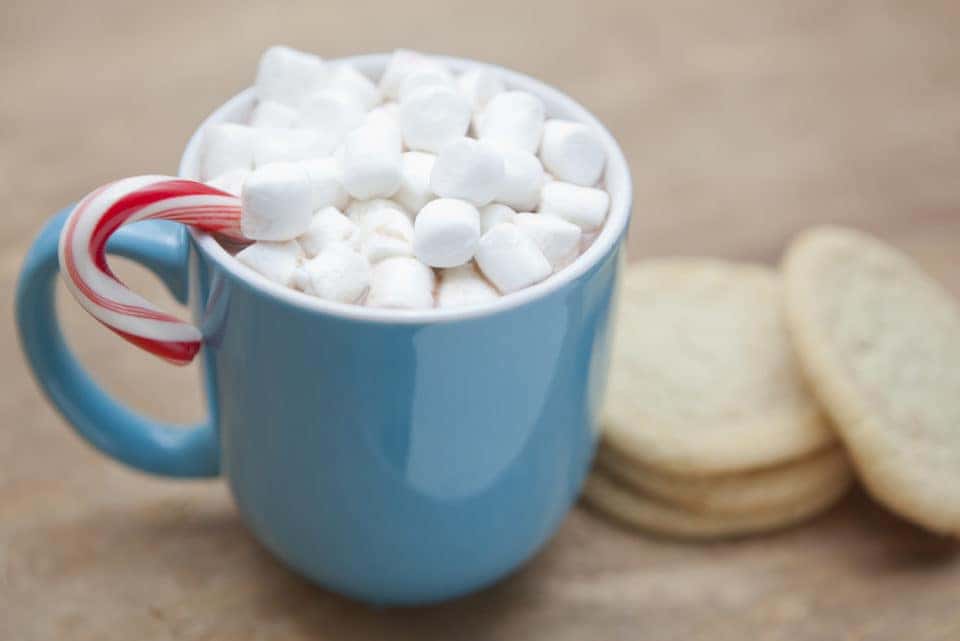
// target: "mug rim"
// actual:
[[613, 230]]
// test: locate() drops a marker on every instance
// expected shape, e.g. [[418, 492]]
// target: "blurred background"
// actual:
[[744, 121]]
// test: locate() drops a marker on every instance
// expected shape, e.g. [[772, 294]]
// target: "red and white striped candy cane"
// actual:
[[84, 266]]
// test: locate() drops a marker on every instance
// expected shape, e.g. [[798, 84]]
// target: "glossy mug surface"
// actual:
[[395, 457]]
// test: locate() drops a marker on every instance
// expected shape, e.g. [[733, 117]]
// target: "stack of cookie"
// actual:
[[743, 400]]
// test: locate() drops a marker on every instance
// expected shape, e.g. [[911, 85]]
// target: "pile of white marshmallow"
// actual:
[[405, 195]]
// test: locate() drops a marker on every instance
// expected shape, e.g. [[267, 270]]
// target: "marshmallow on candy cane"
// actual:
[[83, 262]]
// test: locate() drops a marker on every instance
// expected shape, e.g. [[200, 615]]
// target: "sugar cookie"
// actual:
[[880, 342], [747, 493], [637, 510], [704, 380]]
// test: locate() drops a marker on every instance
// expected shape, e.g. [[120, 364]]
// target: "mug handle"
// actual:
[[115, 430]]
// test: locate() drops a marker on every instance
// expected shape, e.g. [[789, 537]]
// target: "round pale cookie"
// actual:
[[645, 513], [751, 492], [880, 342], [703, 378]]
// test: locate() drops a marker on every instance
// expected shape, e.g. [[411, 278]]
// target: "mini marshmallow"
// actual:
[[386, 232], [425, 77], [401, 283], [290, 145], [402, 63], [276, 202], [510, 259], [230, 182], [270, 113], [463, 287], [288, 76], [385, 212], [338, 273], [587, 239], [332, 113], [360, 209], [326, 181], [415, 190], [479, 85], [276, 261], [558, 239], [493, 214], [350, 82], [585, 207], [572, 152], [227, 147], [386, 115], [523, 179], [432, 117], [327, 226], [371, 163], [446, 232], [338, 156], [469, 170], [512, 118], [383, 245]]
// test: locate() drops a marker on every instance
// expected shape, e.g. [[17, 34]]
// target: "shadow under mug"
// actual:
[[397, 457]]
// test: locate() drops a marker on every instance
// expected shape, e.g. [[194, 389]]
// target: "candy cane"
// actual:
[[82, 253]]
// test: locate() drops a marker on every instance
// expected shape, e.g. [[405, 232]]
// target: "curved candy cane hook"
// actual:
[[83, 264]]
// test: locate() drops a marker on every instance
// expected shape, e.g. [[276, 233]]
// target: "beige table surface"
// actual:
[[744, 121]]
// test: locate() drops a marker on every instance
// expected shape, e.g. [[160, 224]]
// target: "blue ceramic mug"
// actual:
[[397, 457]]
